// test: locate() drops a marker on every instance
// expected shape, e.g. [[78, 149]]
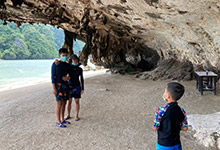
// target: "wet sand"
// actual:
[[117, 113]]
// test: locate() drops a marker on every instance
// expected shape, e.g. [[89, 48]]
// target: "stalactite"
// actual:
[[68, 43], [2, 4], [17, 2]]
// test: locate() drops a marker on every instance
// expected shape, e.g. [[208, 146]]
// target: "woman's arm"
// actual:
[[82, 81], [184, 128]]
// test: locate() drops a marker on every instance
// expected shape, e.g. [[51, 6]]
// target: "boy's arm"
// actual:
[[154, 129], [56, 62], [67, 77], [184, 128], [53, 78], [157, 120], [184, 125], [158, 116], [54, 89]]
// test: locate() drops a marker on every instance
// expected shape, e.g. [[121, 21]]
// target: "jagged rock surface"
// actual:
[[137, 33], [170, 69]]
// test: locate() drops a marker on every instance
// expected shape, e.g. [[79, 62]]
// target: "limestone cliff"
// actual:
[[144, 34]]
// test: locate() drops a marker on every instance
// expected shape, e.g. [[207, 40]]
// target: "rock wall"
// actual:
[[206, 129], [139, 34]]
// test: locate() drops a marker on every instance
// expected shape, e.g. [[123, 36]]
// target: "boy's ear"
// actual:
[[169, 95]]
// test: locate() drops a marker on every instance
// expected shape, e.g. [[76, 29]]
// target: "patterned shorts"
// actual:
[[62, 91]]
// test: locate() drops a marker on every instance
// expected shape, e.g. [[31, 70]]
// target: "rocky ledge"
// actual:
[[168, 39]]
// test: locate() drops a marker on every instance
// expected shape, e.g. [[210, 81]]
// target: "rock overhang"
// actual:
[[139, 33]]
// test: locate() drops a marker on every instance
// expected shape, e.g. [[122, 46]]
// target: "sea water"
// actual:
[[19, 73]]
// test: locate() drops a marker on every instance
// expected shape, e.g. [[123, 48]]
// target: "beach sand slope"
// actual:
[[117, 113]]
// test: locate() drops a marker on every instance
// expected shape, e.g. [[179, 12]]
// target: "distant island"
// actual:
[[32, 41]]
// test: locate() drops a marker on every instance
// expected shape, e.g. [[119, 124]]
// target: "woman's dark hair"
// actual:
[[176, 90], [63, 50], [74, 56]]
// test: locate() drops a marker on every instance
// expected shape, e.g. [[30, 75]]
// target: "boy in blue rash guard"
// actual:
[[76, 85], [59, 77], [170, 119]]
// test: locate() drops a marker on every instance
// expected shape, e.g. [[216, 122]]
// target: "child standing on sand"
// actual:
[[59, 77], [170, 119], [76, 85]]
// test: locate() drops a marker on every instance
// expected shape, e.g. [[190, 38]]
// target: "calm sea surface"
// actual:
[[18, 73]]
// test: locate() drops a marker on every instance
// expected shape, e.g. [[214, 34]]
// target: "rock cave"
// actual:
[[159, 39]]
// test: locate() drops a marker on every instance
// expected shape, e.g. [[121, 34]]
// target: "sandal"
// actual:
[[68, 117], [65, 122], [77, 119], [61, 125]]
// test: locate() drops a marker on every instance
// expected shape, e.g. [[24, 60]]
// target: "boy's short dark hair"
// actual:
[[63, 50], [176, 90]]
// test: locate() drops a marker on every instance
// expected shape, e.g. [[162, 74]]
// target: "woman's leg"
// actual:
[[77, 109], [69, 106]]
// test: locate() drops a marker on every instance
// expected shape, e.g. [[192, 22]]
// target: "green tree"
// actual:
[[32, 41], [8, 54]]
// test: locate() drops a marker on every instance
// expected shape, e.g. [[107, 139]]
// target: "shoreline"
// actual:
[[30, 59], [86, 74]]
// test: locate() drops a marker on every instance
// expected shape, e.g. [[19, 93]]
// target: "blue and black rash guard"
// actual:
[[59, 71], [76, 76], [168, 121]]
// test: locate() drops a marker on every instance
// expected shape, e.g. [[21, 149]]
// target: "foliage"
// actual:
[[32, 41], [59, 40]]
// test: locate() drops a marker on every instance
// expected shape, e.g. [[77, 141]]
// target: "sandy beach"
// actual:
[[117, 113]]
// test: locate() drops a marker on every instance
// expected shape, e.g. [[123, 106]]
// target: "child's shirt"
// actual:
[[59, 71], [76, 76], [168, 121]]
